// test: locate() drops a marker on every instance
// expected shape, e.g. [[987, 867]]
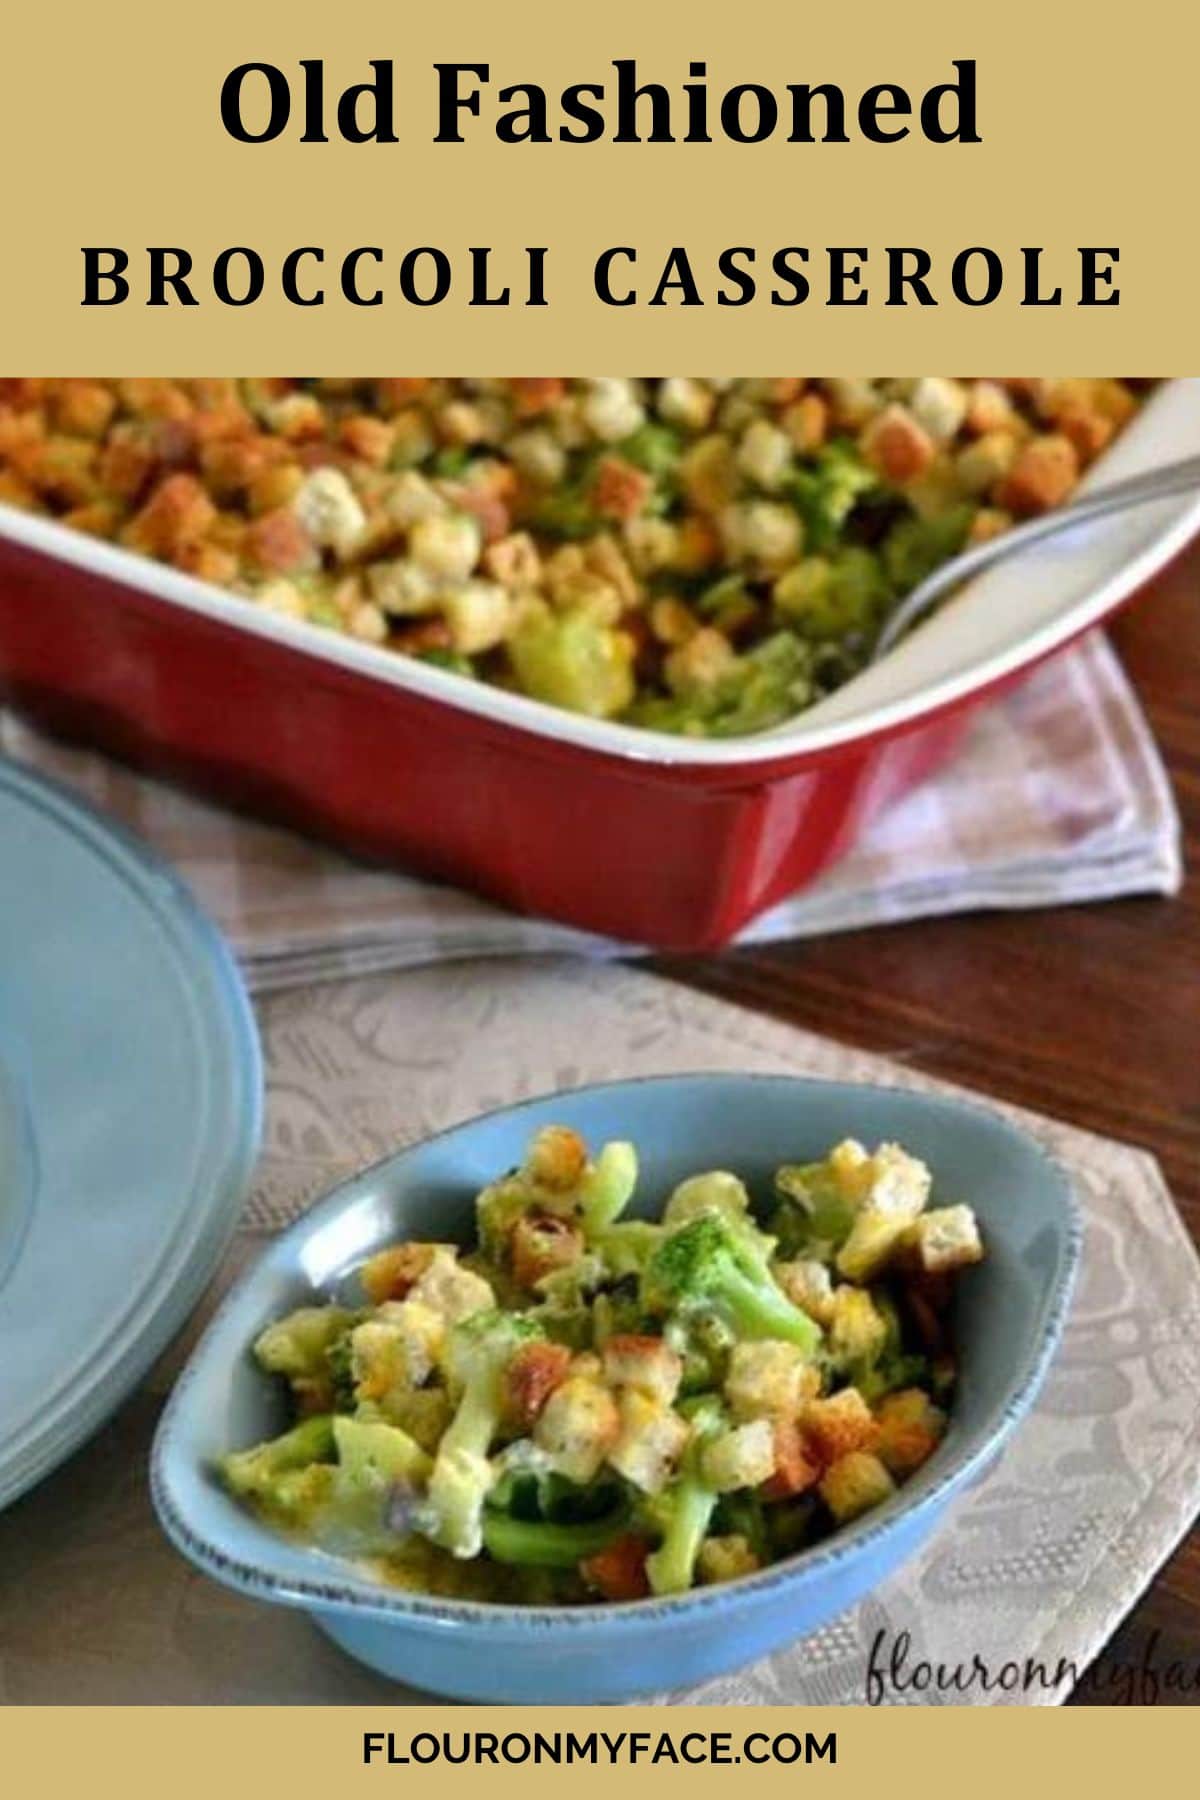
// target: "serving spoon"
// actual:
[[1153, 484]]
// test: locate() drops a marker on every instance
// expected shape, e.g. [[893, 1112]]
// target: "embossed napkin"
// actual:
[[1057, 795], [1033, 1567]]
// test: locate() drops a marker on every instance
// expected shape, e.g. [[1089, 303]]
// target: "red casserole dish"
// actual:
[[659, 840]]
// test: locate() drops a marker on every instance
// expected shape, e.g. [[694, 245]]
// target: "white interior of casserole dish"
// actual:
[[1004, 620]]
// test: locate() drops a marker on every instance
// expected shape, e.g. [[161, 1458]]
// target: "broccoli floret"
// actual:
[[254, 1474], [654, 447], [814, 1215], [720, 1195], [704, 1267], [704, 1340], [570, 1326], [893, 1366], [297, 1347], [684, 1510], [607, 1186], [478, 1351], [742, 1514], [339, 1479], [498, 1208], [366, 1503], [830, 598], [378, 1455], [556, 1178], [616, 1311], [857, 1332], [423, 1413], [826, 489], [627, 1247], [567, 513], [452, 660], [915, 547], [571, 660], [760, 688], [339, 1361]]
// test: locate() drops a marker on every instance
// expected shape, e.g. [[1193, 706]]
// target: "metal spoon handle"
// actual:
[[1152, 484]]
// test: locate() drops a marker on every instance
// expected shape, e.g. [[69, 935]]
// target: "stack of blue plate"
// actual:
[[130, 1112]]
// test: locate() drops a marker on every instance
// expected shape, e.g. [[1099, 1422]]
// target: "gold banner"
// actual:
[[633, 186], [855, 1753]]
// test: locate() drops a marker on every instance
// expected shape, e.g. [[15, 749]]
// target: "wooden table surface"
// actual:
[[1091, 1014]]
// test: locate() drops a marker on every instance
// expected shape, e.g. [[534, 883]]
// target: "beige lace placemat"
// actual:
[[1038, 1561]]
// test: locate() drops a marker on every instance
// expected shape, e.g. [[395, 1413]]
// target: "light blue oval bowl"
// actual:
[[1010, 1313]]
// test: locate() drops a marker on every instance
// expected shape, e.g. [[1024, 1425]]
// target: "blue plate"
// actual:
[[130, 1111], [1009, 1315]]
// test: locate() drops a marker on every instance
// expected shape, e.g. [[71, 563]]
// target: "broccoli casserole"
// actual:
[[699, 556], [590, 1407]]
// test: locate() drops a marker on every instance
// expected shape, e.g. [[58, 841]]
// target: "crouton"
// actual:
[[709, 473], [851, 1167], [944, 1240], [910, 1429], [85, 407], [764, 454], [857, 1329], [515, 562], [1042, 477], [938, 403], [796, 1467], [645, 1363], [806, 422], [838, 1425], [390, 1273], [541, 1243], [446, 544], [530, 1378], [478, 614], [330, 511], [397, 1348], [853, 1484], [556, 1158], [278, 544], [986, 462], [685, 402], [368, 438], [989, 408], [699, 662], [897, 446], [178, 512], [989, 522], [451, 1290], [618, 1572], [620, 490], [578, 1426], [423, 1413], [1088, 429], [725, 1558], [741, 1457], [649, 1441], [897, 1191], [769, 1379], [536, 393], [808, 1285]]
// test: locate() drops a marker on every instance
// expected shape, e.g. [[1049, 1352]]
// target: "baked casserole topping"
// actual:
[[698, 556]]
